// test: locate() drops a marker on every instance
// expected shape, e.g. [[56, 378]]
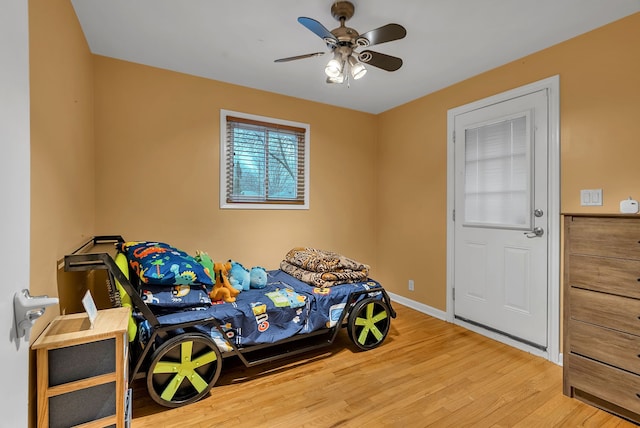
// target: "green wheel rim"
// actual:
[[369, 323], [183, 370]]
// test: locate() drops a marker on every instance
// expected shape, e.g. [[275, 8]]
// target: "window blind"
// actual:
[[498, 174], [265, 162]]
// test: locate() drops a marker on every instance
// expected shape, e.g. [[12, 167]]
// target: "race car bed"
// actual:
[[179, 343]]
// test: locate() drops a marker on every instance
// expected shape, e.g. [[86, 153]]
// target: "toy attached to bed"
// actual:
[[179, 336]]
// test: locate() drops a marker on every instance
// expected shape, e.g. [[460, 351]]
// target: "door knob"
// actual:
[[27, 309], [536, 232]]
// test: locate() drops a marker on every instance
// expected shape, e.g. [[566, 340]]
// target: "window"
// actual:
[[264, 162]]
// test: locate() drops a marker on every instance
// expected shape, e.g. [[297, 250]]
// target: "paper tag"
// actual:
[[90, 307]]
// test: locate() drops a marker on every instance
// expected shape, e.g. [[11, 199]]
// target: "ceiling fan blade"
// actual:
[[380, 60], [386, 33], [319, 29], [293, 58]]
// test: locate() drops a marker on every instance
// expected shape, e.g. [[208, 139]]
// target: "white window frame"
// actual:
[[223, 164]]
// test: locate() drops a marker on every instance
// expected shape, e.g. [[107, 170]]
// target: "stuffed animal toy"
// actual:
[[239, 276], [258, 277], [222, 290], [206, 262]]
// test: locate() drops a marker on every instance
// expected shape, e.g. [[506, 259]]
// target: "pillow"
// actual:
[[161, 264], [175, 297]]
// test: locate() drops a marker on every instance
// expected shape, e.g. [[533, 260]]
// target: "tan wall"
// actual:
[[62, 149], [599, 92], [157, 170]]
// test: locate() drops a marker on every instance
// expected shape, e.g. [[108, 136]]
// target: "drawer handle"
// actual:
[[638, 394]]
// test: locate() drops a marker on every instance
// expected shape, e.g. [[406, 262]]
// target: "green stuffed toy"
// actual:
[[207, 263]]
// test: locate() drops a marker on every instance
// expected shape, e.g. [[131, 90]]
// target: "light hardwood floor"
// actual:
[[428, 373]]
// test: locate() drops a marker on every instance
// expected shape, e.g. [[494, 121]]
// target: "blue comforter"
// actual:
[[285, 307]]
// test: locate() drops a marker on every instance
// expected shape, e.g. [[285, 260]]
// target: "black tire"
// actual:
[[369, 322], [183, 369]]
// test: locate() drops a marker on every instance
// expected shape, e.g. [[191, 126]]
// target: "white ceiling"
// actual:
[[237, 41]]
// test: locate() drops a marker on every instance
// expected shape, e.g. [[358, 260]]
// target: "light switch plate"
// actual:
[[591, 197]]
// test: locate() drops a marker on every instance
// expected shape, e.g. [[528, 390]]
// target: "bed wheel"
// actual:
[[369, 322], [183, 369]]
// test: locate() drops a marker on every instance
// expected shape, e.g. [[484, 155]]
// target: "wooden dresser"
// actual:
[[602, 312]]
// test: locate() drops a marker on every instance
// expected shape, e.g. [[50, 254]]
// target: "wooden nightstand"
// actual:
[[83, 372]]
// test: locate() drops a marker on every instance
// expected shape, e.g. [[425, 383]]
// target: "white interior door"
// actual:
[[500, 255], [14, 208]]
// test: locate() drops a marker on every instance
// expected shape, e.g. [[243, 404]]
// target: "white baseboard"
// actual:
[[420, 307]]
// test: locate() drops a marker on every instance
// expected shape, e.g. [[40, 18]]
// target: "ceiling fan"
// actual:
[[343, 42]]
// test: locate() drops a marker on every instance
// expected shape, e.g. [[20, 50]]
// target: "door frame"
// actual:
[[552, 85]]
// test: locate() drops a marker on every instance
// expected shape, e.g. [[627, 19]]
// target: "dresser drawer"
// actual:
[[607, 237], [607, 310], [617, 276], [609, 346], [613, 385]]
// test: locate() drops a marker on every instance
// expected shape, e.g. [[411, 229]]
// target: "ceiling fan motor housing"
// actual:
[[346, 36]]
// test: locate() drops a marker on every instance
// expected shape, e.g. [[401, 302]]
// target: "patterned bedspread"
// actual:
[[285, 307], [322, 268]]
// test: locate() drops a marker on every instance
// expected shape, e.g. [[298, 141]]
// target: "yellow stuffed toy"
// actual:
[[222, 289]]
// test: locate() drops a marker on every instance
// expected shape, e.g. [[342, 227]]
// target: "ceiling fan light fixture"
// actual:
[[338, 79], [358, 70], [334, 66]]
